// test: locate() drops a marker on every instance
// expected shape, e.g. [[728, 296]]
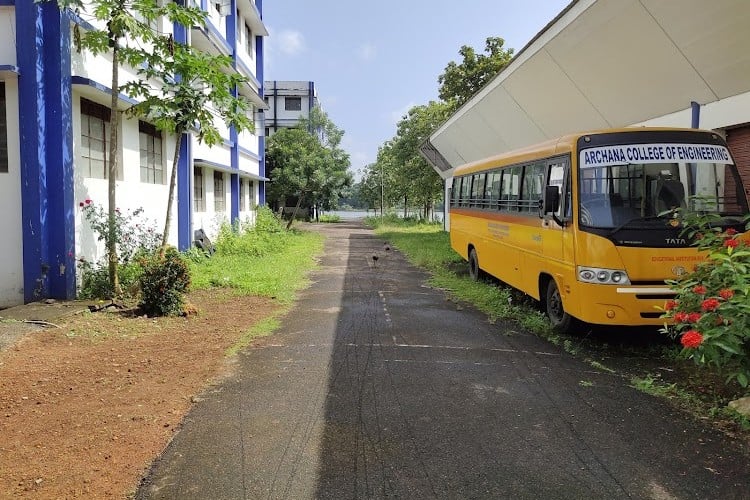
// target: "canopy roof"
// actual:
[[602, 64]]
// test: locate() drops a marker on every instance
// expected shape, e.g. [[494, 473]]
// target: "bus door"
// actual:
[[556, 240]]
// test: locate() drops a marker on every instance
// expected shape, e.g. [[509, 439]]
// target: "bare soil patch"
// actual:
[[85, 409]]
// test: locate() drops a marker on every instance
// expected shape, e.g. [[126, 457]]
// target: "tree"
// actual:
[[414, 178], [308, 162], [203, 89], [369, 187], [459, 82]]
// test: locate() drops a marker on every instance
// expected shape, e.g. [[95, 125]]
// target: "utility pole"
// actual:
[[381, 190]]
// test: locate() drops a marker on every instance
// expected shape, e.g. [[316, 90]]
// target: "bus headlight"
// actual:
[[603, 276]]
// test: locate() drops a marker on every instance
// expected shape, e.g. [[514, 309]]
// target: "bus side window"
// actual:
[[506, 195], [533, 178], [465, 191], [455, 191], [493, 186], [515, 187], [477, 190]]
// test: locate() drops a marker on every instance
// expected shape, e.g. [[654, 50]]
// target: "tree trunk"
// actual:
[[170, 199], [112, 175], [405, 207], [294, 214]]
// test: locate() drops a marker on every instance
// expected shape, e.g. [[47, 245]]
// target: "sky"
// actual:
[[371, 61]]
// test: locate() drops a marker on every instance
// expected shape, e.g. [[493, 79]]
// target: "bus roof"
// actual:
[[552, 147]]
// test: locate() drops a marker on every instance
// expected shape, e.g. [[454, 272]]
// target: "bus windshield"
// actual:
[[614, 194]]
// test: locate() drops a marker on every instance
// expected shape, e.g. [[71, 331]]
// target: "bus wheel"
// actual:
[[474, 270], [562, 322]]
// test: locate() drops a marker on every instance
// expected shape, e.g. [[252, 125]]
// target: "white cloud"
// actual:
[[290, 42], [366, 52]]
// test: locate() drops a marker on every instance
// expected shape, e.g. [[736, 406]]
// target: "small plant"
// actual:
[[267, 222], [330, 218], [133, 233], [135, 237], [711, 312], [164, 282]]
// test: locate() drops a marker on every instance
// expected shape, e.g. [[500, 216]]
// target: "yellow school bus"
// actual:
[[586, 223]]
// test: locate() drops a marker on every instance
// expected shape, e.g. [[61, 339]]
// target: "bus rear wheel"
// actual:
[[562, 322], [474, 271]]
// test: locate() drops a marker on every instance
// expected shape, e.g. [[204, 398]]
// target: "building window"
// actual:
[[219, 192], [293, 104], [3, 131], [94, 139], [243, 205], [248, 40], [198, 190], [152, 168], [251, 193]]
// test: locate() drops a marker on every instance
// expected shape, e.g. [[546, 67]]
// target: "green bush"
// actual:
[[266, 236], [164, 283], [95, 282], [330, 218], [267, 222]]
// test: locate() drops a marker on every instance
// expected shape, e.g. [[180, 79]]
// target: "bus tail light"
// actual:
[[603, 276]]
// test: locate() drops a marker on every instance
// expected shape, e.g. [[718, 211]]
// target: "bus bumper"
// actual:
[[626, 305]]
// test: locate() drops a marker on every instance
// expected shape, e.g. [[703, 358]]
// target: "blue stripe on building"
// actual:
[[43, 55], [184, 173], [262, 125], [234, 152]]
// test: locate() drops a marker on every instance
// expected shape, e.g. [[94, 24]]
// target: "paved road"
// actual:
[[376, 386]]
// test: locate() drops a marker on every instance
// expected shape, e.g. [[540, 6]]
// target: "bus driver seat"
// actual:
[[670, 194]]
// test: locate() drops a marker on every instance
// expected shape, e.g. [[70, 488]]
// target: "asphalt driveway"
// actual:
[[376, 386]]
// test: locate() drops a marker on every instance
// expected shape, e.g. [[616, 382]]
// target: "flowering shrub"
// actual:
[[711, 312], [134, 236], [133, 233], [164, 282]]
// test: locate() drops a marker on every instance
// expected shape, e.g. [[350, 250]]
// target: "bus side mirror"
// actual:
[[551, 204], [551, 199]]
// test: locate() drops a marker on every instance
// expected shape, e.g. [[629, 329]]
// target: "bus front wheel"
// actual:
[[474, 271], [562, 322]]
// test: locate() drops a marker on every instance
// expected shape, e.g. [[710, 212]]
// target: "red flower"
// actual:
[[710, 304], [694, 317], [681, 317], [726, 293], [80, 204], [691, 339], [731, 231], [731, 243], [699, 289], [87, 201], [669, 305]]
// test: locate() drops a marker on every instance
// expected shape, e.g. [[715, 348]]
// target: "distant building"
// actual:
[[54, 120], [288, 101]]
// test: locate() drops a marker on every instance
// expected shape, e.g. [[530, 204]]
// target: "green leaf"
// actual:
[[742, 379], [726, 347]]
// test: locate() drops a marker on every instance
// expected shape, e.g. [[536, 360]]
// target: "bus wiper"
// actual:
[[638, 219]]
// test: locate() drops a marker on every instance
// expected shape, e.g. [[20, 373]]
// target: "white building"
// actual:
[[53, 141], [603, 64], [288, 101]]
